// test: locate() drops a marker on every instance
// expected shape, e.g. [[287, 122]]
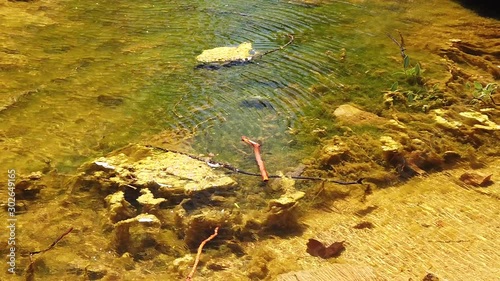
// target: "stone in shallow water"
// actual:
[[148, 201], [242, 52], [283, 212], [118, 208], [143, 167], [136, 235], [334, 152]]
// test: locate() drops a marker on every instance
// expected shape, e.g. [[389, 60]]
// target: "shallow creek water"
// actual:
[[81, 78]]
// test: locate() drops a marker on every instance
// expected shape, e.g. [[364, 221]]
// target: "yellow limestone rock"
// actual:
[[389, 144], [485, 122], [481, 118], [137, 166], [286, 201], [148, 201], [242, 52], [355, 116], [119, 209], [445, 122], [283, 212]]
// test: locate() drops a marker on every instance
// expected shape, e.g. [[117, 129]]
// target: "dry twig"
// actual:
[[401, 44]]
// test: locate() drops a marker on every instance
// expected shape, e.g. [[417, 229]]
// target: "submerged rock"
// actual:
[[334, 152], [257, 103], [118, 208], [164, 173], [136, 234], [476, 179], [28, 187], [147, 200], [139, 182], [110, 101], [283, 212], [355, 116]]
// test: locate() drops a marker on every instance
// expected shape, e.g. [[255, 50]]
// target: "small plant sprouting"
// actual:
[[483, 94], [412, 72], [425, 98]]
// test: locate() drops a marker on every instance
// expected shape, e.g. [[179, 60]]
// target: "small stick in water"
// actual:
[[30, 271], [260, 163], [200, 248]]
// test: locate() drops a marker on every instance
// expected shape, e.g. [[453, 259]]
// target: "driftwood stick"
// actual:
[[290, 37], [260, 163], [200, 248]]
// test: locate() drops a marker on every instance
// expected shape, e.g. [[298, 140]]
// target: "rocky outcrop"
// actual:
[[138, 184]]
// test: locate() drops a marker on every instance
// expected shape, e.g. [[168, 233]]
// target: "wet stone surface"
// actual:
[[164, 173]]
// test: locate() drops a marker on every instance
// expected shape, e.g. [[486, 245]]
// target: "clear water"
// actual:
[[81, 78], [91, 77]]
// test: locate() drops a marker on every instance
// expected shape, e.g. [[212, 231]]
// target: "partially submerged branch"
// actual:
[[260, 163]]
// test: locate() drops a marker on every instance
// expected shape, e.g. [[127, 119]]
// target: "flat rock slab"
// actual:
[[242, 52], [145, 167]]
